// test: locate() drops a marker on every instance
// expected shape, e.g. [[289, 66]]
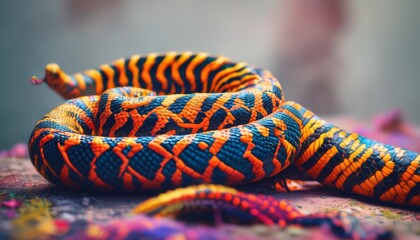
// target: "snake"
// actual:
[[164, 121], [247, 208]]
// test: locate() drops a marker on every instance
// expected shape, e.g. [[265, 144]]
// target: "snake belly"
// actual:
[[163, 121]]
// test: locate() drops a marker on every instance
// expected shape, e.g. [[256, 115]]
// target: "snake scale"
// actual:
[[163, 121]]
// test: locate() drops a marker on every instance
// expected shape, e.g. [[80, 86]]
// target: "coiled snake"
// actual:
[[178, 119]]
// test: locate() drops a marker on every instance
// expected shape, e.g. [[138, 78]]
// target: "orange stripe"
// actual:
[[160, 72], [118, 151], [146, 183], [80, 81], [314, 146], [175, 69], [356, 149], [323, 161], [298, 120], [222, 74], [145, 73], [234, 176], [199, 58], [119, 64], [120, 119], [128, 182], [229, 77], [104, 116], [211, 67], [97, 78], [311, 127], [156, 146], [177, 149], [64, 177], [257, 164], [240, 83], [367, 187], [98, 147], [132, 65], [72, 141], [109, 72], [410, 172], [352, 165], [42, 142]]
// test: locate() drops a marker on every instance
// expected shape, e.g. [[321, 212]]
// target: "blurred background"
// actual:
[[355, 58]]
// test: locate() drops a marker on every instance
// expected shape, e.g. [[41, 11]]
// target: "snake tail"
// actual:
[[252, 208], [355, 164]]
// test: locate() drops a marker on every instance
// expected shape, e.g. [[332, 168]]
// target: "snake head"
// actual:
[[52, 73], [58, 80]]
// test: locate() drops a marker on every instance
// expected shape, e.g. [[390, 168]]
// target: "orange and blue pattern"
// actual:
[[159, 122], [252, 208]]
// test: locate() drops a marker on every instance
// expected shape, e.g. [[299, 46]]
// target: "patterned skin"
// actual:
[[251, 208], [183, 119]]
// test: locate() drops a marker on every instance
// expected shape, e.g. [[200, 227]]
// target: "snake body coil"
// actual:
[[165, 121]]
